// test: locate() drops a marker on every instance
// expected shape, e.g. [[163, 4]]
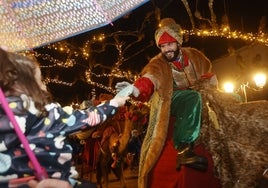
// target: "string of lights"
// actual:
[[116, 72]]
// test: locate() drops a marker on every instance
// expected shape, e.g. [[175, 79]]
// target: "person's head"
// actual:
[[169, 38], [21, 75], [134, 133]]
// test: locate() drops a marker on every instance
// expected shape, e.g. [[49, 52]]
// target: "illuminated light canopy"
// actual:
[[27, 24]]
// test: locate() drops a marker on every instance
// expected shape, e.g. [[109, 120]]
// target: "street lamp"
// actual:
[[259, 79], [228, 87]]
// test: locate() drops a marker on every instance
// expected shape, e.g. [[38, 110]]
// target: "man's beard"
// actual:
[[171, 55]]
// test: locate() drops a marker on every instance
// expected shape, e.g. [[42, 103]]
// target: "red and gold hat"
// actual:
[[165, 38], [168, 31]]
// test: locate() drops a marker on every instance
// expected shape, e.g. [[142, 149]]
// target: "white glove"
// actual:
[[121, 85], [126, 89], [118, 101]]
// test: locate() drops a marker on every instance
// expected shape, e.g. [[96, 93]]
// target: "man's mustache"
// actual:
[[169, 52]]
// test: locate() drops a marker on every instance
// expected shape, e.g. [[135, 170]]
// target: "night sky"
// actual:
[[138, 27]]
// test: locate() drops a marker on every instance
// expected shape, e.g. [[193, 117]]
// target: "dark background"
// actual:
[[135, 32]]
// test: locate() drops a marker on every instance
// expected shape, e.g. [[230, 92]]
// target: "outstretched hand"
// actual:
[[118, 101], [49, 183], [121, 85], [126, 89]]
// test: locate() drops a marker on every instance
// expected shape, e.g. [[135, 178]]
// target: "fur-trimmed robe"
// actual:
[[160, 71]]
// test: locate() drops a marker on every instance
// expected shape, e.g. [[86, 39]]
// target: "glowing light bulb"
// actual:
[[260, 80], [228, 87]]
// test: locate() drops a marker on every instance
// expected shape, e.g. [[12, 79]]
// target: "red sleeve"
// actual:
[[146, 88]]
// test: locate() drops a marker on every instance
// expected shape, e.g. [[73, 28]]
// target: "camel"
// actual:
[[235, 133], [112, 155]]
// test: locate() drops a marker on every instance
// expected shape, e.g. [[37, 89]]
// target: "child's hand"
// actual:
[[49, 183]]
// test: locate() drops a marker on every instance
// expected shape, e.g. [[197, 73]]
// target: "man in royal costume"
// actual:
[[169, 81]]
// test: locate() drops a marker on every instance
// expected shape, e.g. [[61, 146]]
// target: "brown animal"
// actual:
[[111, 156], [113, 146], [236, 135]]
